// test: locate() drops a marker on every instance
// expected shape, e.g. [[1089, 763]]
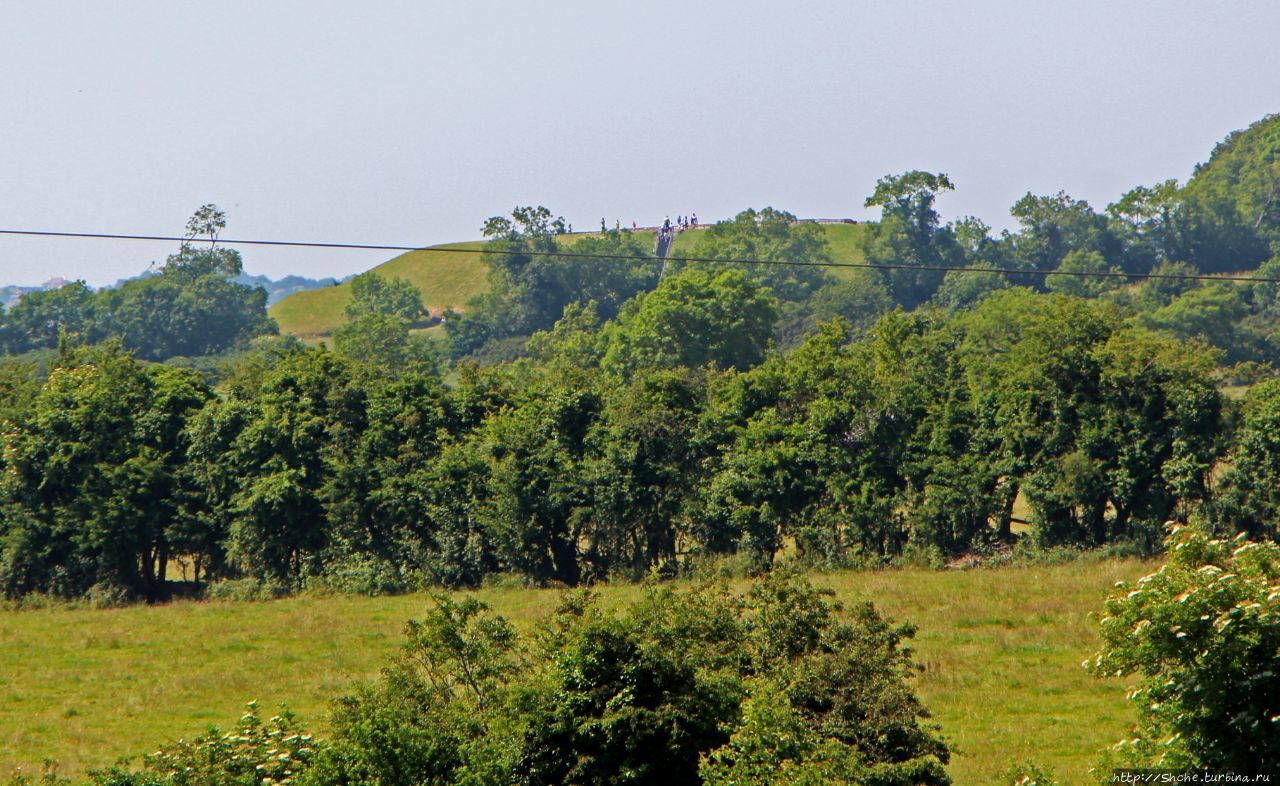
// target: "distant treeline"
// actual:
[[596, 416], [191, 307], [310, 465]]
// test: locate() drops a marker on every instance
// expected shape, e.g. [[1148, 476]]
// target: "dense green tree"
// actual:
[[1212, 312], [608, 269], [765, 480], [378, 502], [19, 384], [575, 339], [1147, 221], [652, 694], [373, 294], [273, 472], [796, 250], [533, 277], [1054, 226], [537, 501], [93, 489], [859, 298], [910, 233], [192, 306], [39, 318], [1230, 214], [178, 314], [961, 289], [378, 333], [818, 444], [643, 467], [694, 318], [1155, 293], [1109, 431], [1085, 279], [623, 702], [385, 343], [444, 711], [1248, 497]]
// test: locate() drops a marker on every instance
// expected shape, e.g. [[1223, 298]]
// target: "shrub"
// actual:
[[255, 753], [362, 574], [683, 687], [1203, 634], [246, 589], [1028, 774]]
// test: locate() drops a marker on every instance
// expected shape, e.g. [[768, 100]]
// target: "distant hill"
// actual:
[[1232, 202], [449, 280], [279, 289], [10, 294]]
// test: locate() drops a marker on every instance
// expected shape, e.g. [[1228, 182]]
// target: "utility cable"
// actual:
[[648, 258]]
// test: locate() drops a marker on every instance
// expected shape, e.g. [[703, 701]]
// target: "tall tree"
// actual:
[[1147, 220], [93, 489], [1054, 226], [910, 233], [192, 307]]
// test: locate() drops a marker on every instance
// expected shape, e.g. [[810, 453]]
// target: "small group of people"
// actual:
[[682, 223], [668, 228]]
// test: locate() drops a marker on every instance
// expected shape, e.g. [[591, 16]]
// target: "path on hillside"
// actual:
[[663, 250]]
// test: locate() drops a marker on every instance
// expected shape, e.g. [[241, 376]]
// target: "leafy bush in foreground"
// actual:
[[1204, 634], [256, 753], [684, 687]]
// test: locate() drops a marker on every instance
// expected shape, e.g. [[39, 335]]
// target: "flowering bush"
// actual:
[[1203, 633], [255, 753]]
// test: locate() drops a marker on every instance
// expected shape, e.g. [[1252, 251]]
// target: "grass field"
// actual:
[[451, 279], [1001, 651], [446, 279]]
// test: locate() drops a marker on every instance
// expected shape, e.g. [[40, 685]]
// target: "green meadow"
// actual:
[[1000, 651]]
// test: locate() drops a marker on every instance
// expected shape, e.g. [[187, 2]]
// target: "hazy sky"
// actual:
[[410, 122]]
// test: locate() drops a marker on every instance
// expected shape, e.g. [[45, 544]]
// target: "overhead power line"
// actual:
[[655, 259]]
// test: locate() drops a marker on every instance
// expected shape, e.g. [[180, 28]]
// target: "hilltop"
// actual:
[[449, 280]]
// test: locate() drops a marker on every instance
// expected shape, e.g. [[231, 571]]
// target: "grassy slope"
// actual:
[[446, 279], [1001, 652], [451, 279]]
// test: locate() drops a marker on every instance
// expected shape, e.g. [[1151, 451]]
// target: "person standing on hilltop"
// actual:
[[602, 229]]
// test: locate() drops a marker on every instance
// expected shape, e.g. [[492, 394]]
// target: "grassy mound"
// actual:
[[446, 280], [449, 280]]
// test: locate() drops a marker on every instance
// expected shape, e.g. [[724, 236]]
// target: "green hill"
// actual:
[[449, 280], [1231, 204], [446, 280]]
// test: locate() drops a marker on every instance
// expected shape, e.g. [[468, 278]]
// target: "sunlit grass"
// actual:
[[1001, 651], [448, 276]]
